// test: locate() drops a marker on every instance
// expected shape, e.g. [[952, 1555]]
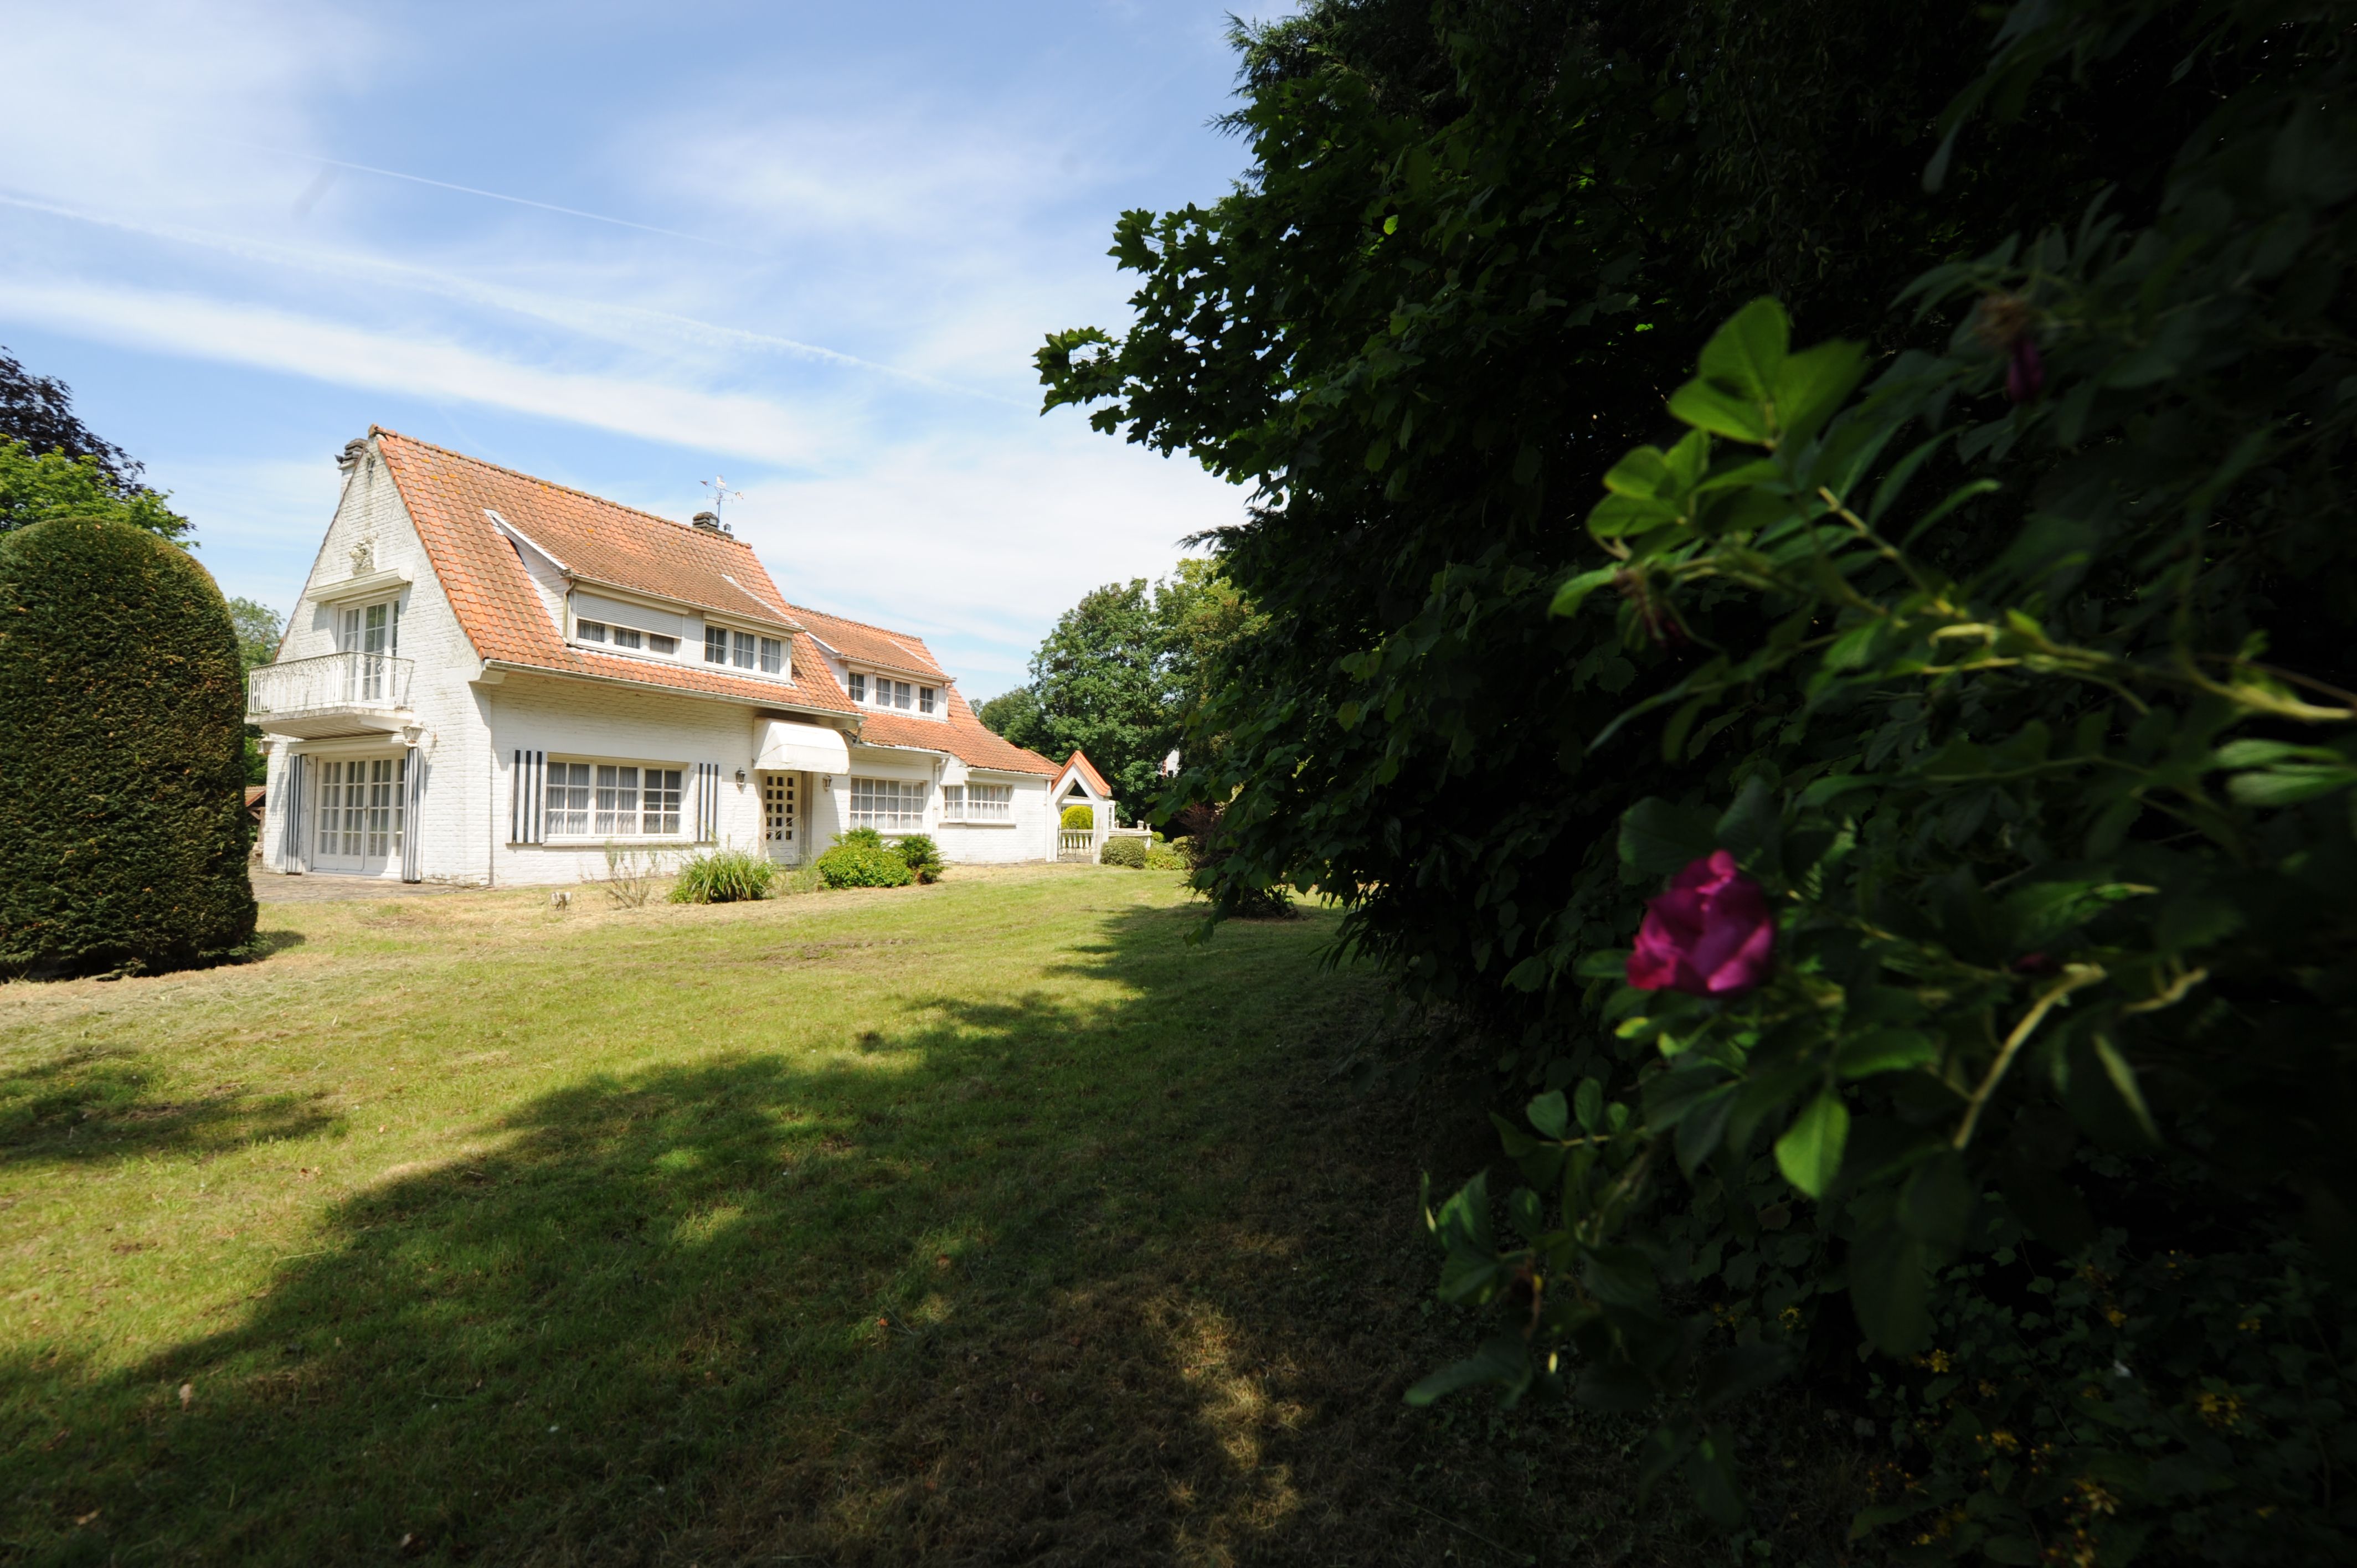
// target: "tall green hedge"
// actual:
[[122, 708]]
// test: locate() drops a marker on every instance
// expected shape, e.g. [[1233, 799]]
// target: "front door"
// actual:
[[782, 817]]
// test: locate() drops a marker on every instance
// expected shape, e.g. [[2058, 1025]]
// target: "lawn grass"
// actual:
[[987, 1222]]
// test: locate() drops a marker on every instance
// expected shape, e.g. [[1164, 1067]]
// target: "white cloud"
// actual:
[[410, 363]]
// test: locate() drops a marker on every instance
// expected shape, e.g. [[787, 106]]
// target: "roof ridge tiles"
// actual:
[[552, 484]]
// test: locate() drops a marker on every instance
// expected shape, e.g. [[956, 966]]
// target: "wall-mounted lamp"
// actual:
[[827, 782], [740, 777]]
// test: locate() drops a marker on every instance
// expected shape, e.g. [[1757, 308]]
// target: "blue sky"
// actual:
[[809, 247]]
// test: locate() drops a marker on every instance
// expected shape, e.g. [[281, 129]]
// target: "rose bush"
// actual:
[[2049, 772]]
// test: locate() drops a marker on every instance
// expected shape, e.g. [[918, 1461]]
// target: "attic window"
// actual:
[[925, 695]]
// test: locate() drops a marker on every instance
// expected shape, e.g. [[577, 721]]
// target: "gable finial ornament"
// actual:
[[363, 558]]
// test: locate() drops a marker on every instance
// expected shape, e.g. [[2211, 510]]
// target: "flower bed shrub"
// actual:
[[123, 825], [922, 855], [1124, 851], [724, 876], [861, 858]]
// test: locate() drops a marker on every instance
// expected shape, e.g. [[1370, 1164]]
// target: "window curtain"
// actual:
[[290, 814], [527, 785], [413, 787], [708, 802]]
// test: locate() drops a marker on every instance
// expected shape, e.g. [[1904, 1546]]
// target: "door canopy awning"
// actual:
[[783, 744]]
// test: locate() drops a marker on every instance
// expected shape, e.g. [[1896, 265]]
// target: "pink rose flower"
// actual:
[[1712, 934]]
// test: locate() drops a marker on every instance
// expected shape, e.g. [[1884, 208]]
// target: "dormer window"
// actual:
[[589, 630], [878, 691], [925, 699], [744, 650], [858, 687]]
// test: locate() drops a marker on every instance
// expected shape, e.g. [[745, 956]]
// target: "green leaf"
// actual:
[[1504, 1359], [2100, 1090], [1810, 1152], [1588, 1107], [1575, 591], [1548, 1114], [1706, 407], [1752, 829], [1619, 1276], [1936, 1205], [1813, 384], [1643, 475], [1710, 1470], [1885, 1050], [1657, 838], [1703, 1127], [1748, 351], [1889, 1287]]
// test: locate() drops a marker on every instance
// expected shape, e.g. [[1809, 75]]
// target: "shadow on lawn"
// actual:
[[1031, 1284], [95, 1104]]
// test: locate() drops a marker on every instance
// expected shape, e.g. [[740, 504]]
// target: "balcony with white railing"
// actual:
[[335, 693]]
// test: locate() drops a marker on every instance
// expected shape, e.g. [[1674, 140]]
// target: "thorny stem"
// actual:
[[2077, 977]]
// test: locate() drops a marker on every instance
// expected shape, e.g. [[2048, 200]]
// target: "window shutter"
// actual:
[[708, 802], [412, 788], [290, 820], [527, 784]]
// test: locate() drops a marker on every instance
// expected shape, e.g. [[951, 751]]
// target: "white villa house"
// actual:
[[489, 678]]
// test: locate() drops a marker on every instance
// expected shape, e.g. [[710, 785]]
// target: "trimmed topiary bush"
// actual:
[[122, 828], [1129, 852], [861, 858], [1079, 818], [923, 855], [724, 876]]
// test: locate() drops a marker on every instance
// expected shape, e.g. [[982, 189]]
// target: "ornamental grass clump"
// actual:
[[123, 827], [724, 876]]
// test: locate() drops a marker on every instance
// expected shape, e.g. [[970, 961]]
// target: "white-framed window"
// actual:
[[925, 699], [361, 808], [628, 637], [773, 655], [880, 692], [889, 805], [715, 645], [977, 802], [372, 631], [610, 801]]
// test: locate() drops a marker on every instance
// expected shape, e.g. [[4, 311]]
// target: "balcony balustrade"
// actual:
[[335, 693]]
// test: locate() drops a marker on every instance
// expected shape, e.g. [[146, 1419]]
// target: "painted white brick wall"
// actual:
[[583, 722], [452, 750]]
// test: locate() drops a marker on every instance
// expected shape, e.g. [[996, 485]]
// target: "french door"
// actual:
[[372, 631], [782, 817], [359, 811]]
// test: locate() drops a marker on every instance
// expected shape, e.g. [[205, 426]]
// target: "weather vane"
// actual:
[[718, 486]]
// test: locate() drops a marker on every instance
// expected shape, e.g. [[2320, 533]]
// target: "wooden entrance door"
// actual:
[[782, 817]]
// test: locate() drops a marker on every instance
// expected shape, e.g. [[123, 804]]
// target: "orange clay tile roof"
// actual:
[[959, 733], [1079, 759], [446, 495], [864, 644]]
